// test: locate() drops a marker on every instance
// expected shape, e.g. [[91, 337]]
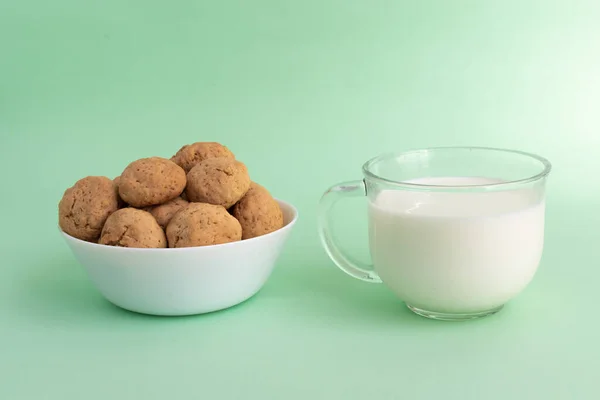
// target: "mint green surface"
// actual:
[[303, 92]]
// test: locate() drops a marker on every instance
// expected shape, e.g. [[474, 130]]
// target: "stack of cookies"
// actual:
[[202, 196]]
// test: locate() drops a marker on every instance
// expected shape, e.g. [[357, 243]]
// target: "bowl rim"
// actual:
[[286, 227]]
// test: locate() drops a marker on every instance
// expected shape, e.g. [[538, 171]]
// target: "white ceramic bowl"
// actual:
[[183, 281]]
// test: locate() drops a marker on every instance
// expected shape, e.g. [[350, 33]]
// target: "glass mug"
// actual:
[[455, 232]]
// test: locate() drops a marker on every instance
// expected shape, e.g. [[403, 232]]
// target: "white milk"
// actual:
[[456, 252]]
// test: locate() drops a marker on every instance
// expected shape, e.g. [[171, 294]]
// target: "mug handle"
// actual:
[[364, 272]]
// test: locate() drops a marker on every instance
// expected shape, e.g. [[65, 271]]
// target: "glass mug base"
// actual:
[[453, 317]]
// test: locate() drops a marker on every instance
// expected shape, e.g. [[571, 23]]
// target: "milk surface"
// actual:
[[456, 252]]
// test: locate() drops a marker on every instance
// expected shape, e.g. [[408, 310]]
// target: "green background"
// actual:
[[303, 92]]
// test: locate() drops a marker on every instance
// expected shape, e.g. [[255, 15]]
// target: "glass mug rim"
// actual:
[[545, 168]]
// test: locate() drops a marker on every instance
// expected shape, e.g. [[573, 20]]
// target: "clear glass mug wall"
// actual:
[[455, 232]]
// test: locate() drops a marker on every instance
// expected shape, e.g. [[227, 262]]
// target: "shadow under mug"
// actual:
[[455, 232]]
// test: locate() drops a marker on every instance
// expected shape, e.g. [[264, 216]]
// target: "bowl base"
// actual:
[[183, 313]]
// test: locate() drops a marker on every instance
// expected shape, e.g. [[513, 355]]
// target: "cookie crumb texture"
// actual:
[[151, 181], [258, 212], [202, 224], [164, 212], [129, 227], [192, 154], [85, 206], [218, 181]]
